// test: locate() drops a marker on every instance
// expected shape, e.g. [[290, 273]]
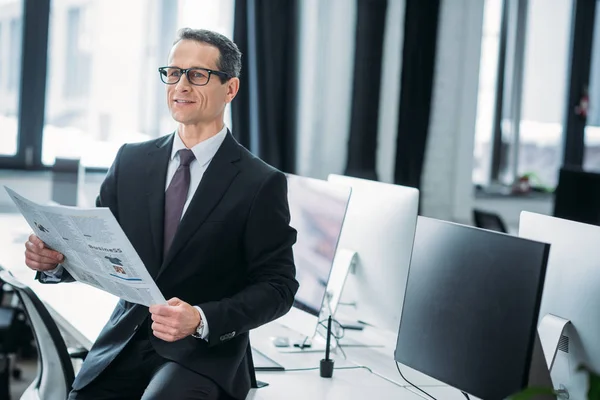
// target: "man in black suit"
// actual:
[[210, 221]]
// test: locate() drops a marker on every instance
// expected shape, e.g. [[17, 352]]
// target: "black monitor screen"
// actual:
[[471, 307], [577, 196]]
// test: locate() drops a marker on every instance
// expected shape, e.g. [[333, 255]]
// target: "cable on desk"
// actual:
[[466, 395], [412, 384], [303, 344], [316, 368], [335, 337]]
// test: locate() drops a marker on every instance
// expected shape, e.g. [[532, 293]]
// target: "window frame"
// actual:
[[31, 109], [509, 94]]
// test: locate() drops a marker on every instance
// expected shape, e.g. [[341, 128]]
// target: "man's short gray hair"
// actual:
[[230, 60]]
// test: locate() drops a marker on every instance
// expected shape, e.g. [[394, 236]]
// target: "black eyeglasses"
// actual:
[[195, 76]]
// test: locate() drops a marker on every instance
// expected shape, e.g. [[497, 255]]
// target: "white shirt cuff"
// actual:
[[54, 275], [204, 330]]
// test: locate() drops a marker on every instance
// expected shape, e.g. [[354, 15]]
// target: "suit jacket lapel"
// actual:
[[215, 181], [158, 161]]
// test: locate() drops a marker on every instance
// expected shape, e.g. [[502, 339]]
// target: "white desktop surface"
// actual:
[[82, 311]]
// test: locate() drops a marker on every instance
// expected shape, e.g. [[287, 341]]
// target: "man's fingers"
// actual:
[[166, 338], [157, 327], [174, 301], [54, 255], [39, 266], [40, 258], [163, 310], [161, 319], [36, 241]]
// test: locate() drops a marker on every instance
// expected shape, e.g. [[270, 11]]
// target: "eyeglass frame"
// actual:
[[186, 72]]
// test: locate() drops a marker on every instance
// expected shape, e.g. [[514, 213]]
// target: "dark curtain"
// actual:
[[584, 14], [418, 65], [362, 143], [264, 111]]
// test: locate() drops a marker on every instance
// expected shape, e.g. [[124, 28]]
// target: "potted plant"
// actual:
[[593, 390]]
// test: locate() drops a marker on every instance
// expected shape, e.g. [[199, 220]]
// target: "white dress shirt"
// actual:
[[203, 153]]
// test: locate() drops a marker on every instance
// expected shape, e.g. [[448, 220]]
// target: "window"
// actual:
[[544, 91], [520, 119], [103, 87], [488, 74], [77, 59], [11, 34]]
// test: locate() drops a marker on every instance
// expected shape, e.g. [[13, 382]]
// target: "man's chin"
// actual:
[[185, 120]]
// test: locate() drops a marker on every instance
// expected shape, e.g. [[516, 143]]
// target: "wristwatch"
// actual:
[[199, 330]]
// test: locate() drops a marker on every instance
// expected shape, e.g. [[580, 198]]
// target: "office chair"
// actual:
[[15, 336], [55, 370], [489, 221]]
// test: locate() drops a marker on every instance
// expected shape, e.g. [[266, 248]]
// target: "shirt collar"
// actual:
[[203, 151]]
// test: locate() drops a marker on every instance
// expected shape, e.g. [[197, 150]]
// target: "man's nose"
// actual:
[[183, 84]]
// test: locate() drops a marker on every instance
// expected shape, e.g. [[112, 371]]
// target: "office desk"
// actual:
[[82, 311], [79, 309]]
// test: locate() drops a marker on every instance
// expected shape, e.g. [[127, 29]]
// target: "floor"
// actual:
[[28, 372]]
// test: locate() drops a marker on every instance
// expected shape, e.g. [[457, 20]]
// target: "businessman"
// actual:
[[211, 223]]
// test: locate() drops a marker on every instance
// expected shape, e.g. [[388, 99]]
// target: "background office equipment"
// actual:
[[471, 307], [83, 326], [343, 262], [317, 211], [262, 362], [489, 220], [571, 292], [577, 196], [379, 227], [67, 182]]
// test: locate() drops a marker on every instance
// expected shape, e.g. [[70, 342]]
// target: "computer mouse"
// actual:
[[281, 341]]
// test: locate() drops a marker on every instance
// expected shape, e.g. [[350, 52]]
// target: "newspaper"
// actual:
[[97, 251]]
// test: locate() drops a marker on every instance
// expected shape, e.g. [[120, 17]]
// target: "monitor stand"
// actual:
[[552, 332], [539, 374]]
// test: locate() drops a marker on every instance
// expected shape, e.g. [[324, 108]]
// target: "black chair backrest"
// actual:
[[54, 363], [488, 220]]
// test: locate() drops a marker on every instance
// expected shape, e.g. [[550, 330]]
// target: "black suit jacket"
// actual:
[[232, 256]]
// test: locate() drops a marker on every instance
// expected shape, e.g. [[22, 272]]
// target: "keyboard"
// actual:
[[264, 363]]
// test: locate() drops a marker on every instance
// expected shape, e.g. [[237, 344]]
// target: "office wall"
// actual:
[[327, 54], [389, 97], [447, 191], [327, 30], [327, 58]]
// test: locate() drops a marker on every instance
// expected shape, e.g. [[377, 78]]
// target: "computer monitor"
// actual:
[[471, 308], [379, 227], [577, 196], [317, 210], [572, 292]]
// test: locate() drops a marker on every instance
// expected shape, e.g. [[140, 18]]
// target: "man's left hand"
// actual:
[[175, 320]]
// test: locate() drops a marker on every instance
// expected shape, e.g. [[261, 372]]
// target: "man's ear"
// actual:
[[233, 85]]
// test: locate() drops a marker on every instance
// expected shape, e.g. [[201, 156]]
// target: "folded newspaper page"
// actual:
[[96, 249]]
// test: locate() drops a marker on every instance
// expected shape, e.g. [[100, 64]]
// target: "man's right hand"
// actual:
[[39, 257]]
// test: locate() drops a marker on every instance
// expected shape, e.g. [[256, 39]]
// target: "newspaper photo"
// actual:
[[97, 251]]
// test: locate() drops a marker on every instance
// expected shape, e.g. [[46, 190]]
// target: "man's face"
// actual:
[[190, 104]]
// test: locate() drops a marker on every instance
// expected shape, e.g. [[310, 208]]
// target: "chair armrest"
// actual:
[[77, 352]]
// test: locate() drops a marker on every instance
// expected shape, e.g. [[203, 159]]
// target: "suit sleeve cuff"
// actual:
[[54, 275], [204, 331]]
